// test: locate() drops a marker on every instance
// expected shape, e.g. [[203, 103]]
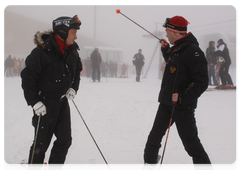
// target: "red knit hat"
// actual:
[[176, 24]]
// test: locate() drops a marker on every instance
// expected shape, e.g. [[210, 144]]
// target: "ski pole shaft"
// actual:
[[35, 140], [119, 12], [165, 145], [170, 123], [90, 133]]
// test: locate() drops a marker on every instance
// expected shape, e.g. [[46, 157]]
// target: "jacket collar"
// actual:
[[46, 41]]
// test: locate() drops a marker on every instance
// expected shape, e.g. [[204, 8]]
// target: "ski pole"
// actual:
[[35, 140], [165, 145], [170, 122], [90, 133], [119, 12]]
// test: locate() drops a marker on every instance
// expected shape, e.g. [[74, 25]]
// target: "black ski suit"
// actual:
[[186, 74], [138, 61], [212, 61], [96, 60], [9, 64], [47, 77], [223, 72]]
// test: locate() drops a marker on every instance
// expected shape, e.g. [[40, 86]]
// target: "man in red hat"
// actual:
[[184, 80]]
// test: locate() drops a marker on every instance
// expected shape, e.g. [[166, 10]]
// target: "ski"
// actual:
[[225, 88], [221, 88], [24, 165]]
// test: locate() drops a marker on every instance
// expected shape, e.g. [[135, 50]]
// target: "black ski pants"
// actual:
[[224, 75], [96, 73], [187, 130], [56, 121], [138, 72]]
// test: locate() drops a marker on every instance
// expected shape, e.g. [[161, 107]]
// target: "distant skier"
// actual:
[[138, 62], [9, 63], [212, 61], [225, 60], [96, 60]]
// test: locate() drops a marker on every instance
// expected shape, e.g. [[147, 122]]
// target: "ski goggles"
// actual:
[[75, 20], [166, 22]]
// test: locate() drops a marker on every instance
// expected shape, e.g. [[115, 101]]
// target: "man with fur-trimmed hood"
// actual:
[[51, 78]]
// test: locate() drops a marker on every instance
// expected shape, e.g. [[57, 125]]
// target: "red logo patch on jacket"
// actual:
[[172, 69]]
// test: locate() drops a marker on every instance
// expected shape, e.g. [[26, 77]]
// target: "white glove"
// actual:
[[40, 109], [70, 95]]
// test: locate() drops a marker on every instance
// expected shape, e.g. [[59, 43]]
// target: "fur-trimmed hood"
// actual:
[[45, 40], [41, 37]]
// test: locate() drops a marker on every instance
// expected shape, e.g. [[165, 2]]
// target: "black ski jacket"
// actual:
[[49, 73], [138, 60], [9, 62], [95, 58], [185, 73], [225, 54], [211, 58]]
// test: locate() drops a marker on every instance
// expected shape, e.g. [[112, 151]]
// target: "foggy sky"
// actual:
[[119, 31]]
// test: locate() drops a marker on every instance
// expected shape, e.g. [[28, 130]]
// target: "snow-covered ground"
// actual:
[[120, 113]]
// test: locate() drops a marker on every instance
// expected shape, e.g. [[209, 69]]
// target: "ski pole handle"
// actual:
[[163, 42]]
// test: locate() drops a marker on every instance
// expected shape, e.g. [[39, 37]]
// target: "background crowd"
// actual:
[[107, 69], [219, 62], [218, 59], [13, 66]]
